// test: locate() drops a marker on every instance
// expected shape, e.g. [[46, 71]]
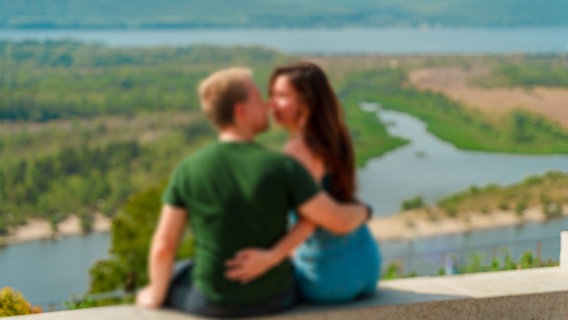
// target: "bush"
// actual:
[[552, 210], [393, 271], [503, 205], [520, 208], [92, 301], [476, 262], [413, 203], [451, 211], [12, 303], [87, 221]]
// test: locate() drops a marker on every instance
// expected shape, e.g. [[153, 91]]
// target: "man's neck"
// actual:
[[232, 134]]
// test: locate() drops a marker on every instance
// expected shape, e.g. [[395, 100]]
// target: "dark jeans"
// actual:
[[183, 296]]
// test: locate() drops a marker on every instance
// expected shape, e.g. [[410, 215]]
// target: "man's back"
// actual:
[[237, 195]]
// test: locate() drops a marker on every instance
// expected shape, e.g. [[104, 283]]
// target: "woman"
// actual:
[[328, 267]]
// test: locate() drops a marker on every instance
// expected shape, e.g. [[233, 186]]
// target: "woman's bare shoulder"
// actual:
[[299, 150], [296, 147]]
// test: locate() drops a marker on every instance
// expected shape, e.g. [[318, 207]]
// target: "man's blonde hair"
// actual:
[[221, 91]]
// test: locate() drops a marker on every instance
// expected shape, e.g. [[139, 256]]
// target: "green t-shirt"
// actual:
[[238, 195]]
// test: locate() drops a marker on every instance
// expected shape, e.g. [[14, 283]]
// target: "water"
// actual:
[[427, 255], [49, 272], [329, 41], [432, 168]]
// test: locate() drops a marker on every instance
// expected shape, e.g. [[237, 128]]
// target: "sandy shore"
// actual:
[[401, 226], [455, 82], [415, 224], [38, 229]]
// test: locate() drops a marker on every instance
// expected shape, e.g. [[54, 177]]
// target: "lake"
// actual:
[[329, 41]]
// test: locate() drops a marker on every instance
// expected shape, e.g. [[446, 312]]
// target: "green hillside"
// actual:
[[279, 13], [84, 126]]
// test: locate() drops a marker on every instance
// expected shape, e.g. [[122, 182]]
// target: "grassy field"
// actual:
[[548, 192], [424, 87], [536, 84], [83, 126]]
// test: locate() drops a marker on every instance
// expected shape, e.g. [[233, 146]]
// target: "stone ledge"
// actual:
[[525, 294]]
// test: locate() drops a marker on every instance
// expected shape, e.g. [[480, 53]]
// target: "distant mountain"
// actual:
[[280, 13]]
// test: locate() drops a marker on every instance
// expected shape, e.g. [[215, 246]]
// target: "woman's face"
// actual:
[[288, 108]]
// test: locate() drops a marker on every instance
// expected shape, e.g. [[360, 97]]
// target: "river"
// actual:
[[432, 168], [329, 41], [48, 272]]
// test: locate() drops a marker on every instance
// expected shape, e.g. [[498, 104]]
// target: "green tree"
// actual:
[[521, 126], [132, 229], [3, 227], [86, 222]]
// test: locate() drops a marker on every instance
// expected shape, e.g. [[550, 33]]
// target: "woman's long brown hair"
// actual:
[[326, 132]]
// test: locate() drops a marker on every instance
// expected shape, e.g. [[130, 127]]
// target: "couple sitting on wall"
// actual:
[[237, 197]]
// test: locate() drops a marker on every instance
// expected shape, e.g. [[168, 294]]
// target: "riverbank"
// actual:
[[401, 226], [418, 223], [40, 229]]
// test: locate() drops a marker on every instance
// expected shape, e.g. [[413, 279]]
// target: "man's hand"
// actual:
[[249, 264], [147, 298]]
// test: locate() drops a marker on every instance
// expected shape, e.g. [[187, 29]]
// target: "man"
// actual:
[[236, 194]]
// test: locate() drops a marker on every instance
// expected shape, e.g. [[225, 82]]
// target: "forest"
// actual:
[[83, 126]]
